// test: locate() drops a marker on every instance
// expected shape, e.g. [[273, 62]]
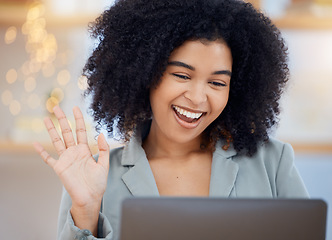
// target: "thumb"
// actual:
[[104, 150]]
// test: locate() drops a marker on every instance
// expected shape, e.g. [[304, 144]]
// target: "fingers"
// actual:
[[65, 128], [103, 147], [80, 126], [45, 156], [56, 140]]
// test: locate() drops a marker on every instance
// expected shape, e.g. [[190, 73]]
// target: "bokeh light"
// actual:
[[7, 97], [30, 84], [34, 66], [35, 12], [15, 107], [51, 103], [58, 94], [41, 48], [11, 76], [63, 77], [10, 35]]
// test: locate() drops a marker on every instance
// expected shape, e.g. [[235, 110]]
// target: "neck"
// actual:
[[157, 145]]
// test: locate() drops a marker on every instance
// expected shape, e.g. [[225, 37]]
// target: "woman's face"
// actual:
[[193, 90]]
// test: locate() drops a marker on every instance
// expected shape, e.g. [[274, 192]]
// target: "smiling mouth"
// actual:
[[187, 116]]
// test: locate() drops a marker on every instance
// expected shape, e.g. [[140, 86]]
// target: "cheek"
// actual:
[[165, 93], [219, 104], [160, 98]]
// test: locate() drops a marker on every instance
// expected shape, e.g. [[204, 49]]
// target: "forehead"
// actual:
[[207, 53]]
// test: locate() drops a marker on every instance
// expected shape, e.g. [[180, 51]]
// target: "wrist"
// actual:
[[87, 207], [86, 217]]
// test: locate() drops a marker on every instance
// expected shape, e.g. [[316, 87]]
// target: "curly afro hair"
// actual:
[[136, 38]]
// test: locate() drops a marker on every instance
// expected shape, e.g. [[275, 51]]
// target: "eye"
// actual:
[[181, 76], [218, 84]]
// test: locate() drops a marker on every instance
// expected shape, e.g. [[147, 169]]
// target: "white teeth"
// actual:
[[187, 113]]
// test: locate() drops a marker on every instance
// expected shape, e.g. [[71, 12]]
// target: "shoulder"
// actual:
[[270, 171], [270, 149], [276, 148], [269, 156]]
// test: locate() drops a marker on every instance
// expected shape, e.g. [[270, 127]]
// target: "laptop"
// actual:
[[225, 219]]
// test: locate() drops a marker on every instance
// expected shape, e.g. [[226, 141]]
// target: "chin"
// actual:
[[183, 138]]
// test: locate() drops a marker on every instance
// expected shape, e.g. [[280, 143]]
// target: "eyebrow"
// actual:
[[182, 64]]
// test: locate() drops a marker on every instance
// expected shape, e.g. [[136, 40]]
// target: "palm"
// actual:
[[80, 174], [84, 179]]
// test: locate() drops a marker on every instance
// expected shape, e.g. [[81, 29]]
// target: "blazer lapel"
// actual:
[[139, 178], [140, 181], [223, 172]]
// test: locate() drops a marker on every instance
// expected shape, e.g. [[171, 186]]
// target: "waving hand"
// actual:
[[83, 177]]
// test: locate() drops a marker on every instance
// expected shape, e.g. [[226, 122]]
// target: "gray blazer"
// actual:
[[270, 173]]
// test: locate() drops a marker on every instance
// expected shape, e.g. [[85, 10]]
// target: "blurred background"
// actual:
[[43, 48]]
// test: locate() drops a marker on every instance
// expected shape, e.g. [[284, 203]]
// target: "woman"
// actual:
[[193, 88]]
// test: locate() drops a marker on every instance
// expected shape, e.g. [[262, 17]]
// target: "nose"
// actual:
[[196, 93]]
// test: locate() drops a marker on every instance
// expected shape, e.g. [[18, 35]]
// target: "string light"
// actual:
[[58, 94], [34, 12], [11, 76], [63, 77], [41, 47], [26, 69], [51, 103], [34, 66], [10, 35], [43, 60], [7, 97], [15, 107]]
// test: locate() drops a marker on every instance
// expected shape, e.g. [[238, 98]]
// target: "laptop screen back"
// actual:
[[227, 219]]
